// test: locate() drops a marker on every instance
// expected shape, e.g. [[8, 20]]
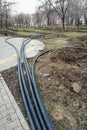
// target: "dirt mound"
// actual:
[[79, 41], [63, 84], [68, 55]]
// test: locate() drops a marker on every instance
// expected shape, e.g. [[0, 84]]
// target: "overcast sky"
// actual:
[[26, 6]]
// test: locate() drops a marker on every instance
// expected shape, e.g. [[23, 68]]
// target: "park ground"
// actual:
[[61, 82]]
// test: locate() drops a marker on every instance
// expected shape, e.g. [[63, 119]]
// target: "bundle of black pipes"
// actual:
[[36, 112]]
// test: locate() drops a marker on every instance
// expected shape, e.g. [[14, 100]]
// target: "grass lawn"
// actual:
[[54, 38]]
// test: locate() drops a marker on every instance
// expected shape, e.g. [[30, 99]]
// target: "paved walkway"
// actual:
[[11, 117], [8, 57]]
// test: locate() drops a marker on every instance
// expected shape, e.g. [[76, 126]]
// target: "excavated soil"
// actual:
[[61, 76]]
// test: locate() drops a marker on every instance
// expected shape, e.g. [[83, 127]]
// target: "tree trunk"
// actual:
[[48, 21], [1, 23], [86, 22], [63, 22], [6, 23], [77, 23], [85, 19], [71, 22]]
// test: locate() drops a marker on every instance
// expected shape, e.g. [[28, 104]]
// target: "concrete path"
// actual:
[[8, 57], [11, 117]]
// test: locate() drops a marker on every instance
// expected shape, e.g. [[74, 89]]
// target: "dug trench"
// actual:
[[62, 85]]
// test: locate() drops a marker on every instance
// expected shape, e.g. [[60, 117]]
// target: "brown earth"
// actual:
[[62, 85]]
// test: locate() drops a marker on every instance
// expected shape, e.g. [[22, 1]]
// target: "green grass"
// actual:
[[55, 43], [55, 31], [74, 34], [22, 33], [34, 29], [51, 43], [47, 30]]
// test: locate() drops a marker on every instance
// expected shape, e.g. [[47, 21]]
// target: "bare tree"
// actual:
[[0, 14], [85, 11], [5, 13], [37, 18], [47, 9], [61, 7], [76, 10], [22, 20], [27, 20]]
